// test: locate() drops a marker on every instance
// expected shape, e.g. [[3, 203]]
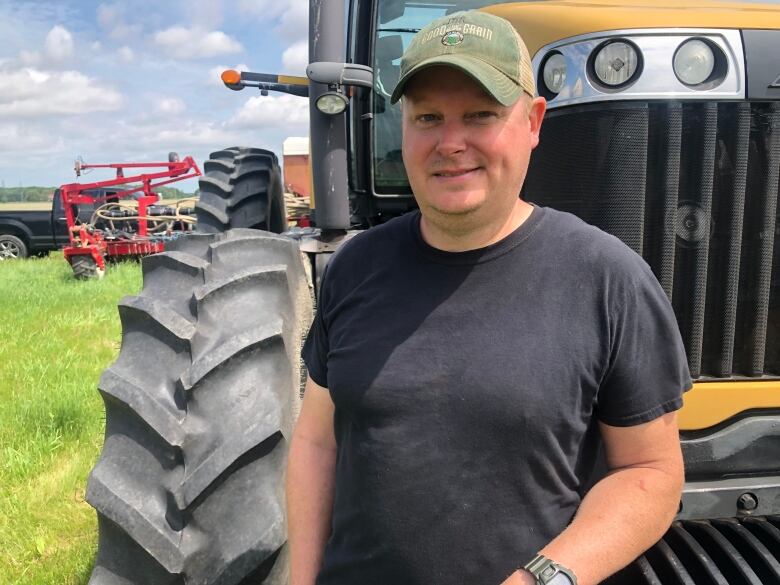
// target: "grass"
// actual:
[[57, 335]]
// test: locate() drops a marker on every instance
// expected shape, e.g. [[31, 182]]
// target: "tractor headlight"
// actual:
[[554, 72], [331, 103], [616, 63], [694, 62]]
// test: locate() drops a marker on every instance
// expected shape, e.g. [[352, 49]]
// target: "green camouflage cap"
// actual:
[[484, 46]]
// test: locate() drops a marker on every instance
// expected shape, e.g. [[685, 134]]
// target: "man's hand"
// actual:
[[520, 577]]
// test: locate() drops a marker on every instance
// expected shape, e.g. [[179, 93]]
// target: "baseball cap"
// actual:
[[484, 46]]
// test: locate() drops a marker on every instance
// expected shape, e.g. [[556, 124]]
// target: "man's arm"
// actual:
[[629, 510], [310, 483]]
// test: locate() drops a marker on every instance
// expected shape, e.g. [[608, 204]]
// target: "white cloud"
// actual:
[[108, 15], [111, 18], [291, 16], [194, 43], [33, 93], [194, 134], [214, 74], [170, 106], [59, 44], [126, 54], [204, 13], [148, 141], [263, 10], [29, 57], [296, 58], [15, 138], [96, 46], [272, 111], [57, 48], [294, 23]]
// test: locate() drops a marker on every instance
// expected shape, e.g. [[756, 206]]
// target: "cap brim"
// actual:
[[494, 82]]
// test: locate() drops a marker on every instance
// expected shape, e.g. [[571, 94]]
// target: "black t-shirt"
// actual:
[[468, 387]]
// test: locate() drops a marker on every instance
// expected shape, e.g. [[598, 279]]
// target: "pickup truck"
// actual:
[[25, 231]]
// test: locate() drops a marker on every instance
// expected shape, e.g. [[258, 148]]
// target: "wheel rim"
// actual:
[[8, 250]]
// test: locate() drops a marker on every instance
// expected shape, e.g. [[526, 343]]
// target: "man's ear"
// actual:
[[536, 109]]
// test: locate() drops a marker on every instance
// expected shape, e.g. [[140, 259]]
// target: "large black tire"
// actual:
[[199, 411], [241, 188], [12, 248]]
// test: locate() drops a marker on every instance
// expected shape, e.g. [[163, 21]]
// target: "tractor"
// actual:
[[663, 128]]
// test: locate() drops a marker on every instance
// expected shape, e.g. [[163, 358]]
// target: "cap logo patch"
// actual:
[[452, 38], [458, 28]]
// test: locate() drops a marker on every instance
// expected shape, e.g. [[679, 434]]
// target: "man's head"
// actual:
[[470, 118]]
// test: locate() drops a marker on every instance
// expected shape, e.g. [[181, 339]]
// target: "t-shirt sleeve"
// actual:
[[316, 347], [648, 370]]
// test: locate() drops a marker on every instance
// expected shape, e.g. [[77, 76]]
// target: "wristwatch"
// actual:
[[547, 572]]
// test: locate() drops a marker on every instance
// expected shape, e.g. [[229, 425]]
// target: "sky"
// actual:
[[131, 81]]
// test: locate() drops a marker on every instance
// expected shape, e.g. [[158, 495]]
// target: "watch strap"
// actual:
[[545, 570]]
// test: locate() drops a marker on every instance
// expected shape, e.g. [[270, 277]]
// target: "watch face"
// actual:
[[560, 579]]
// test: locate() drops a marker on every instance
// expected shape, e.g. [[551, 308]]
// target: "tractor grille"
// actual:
[[693, 188], [744, 551]]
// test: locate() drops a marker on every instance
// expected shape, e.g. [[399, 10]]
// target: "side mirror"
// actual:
[[332, 74]]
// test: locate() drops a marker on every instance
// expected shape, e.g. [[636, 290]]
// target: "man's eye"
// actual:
[[426, 118]]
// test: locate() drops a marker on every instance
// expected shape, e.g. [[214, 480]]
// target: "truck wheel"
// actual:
[[241, 188], [199, 412], [85, 268], [12, 247]]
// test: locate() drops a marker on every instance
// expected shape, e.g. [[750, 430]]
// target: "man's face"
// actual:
[[466, 155]]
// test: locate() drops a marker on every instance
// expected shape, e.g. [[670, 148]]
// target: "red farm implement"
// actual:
[[127, 220]]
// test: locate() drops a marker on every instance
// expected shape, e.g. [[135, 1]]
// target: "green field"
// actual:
[[56, 337]]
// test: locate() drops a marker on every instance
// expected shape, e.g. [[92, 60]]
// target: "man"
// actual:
[[467, 361]]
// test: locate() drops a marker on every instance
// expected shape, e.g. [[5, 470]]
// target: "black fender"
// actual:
[[16, 228]]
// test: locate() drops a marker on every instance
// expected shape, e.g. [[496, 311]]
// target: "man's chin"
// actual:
[[453, 219], [453, 213], [455, 210], [456, 204]]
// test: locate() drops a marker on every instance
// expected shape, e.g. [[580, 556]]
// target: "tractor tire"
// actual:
[[12, 248], [241, 188], [200, 406], [85, 268]]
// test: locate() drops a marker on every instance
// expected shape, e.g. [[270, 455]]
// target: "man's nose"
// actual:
[[452, 138]]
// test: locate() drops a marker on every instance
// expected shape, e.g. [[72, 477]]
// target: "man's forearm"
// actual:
[[621, 517], [309, 489]]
